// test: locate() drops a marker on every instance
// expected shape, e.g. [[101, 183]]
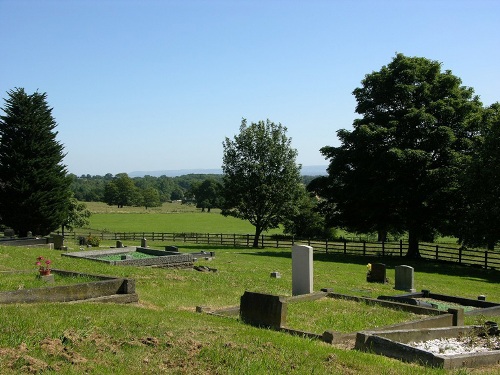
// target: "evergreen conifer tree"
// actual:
[[34, 187]]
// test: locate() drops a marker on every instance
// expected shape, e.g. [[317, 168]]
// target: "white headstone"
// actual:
[[302, 269], [404, 278]]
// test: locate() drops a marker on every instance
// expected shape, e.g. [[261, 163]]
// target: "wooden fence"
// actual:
[[438, 252]]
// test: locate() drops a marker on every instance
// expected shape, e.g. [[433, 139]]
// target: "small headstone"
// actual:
[[58, 241], [144, 243], [481, 297], [126, 257], [404, 279], [119, 244], [377, 273], [302, 269], [276, 275]]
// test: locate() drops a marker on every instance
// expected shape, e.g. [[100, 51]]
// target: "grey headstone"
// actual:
[[404, 278], [302, 269]]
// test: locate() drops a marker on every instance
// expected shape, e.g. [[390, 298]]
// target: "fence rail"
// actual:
[[455, 254]]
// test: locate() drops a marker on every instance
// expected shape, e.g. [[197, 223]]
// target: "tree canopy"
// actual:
[[400, 168], [34, 188], [261, 180]]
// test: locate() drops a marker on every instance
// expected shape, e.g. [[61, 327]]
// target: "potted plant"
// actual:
[[43, 266]]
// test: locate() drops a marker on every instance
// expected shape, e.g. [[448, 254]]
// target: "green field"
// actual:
[[170, 218]]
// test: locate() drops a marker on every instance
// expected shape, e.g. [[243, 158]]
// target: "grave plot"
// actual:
[[139, 256], [101, 289], [444, 302], [447, 347]]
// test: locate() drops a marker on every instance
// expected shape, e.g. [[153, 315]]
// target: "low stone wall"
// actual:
[[162, 258], [105, 287], [393, 344]]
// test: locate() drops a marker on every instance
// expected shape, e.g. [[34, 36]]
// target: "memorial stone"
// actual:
[[404, 278], [377, 273], [302, 269]]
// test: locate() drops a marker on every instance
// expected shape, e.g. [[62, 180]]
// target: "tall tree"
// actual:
[[78, 215], [480, 223], [399, 169], [261, 180], [208, 194], [34, 187], [121, 191]]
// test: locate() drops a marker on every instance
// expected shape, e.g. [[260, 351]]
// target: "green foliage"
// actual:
[[261, 178], [399, 168], [307, 222], [78, 215], [208, 194], [480, 224], [93, 241], [34, 188], [121, 191]]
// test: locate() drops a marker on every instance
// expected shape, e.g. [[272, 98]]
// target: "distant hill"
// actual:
[[307, 170]]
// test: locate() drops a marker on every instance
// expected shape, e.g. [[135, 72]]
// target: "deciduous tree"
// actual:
[[260, 176], [399, 169]]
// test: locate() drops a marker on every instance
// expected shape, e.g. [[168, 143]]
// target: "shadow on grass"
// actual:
[[420, 265]]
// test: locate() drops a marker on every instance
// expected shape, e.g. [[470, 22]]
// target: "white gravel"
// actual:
[[454, 346]]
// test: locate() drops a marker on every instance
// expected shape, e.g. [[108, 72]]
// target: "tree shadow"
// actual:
[[420, 265]]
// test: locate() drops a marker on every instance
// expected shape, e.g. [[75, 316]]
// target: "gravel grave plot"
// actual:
[[461, 345]]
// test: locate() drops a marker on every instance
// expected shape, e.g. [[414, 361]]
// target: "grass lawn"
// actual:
[[163, 334], [171, 218]]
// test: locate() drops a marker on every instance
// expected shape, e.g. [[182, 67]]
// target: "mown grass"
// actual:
[[164, 334], [170, 218]]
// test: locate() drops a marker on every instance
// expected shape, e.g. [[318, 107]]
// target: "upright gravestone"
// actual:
[[404, 278], [377, 273], [302, 269], [119, 244], [144, 243]]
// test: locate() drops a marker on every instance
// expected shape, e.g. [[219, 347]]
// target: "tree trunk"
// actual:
[[381, 236], [258, 231], [413, 239]]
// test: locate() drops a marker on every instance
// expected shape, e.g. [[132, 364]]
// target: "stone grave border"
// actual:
[[105, 289], [395, 344], [269, 311], [163, 258]]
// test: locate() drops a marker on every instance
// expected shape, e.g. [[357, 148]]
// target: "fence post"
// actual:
[[248, 239], [460, 255], [400, 248], [208, 237], [262, 240], [221, 241], [326, 246], [437, 252], [234, 239], [383, 248], [364, 248], [345, 247], [486, 260]]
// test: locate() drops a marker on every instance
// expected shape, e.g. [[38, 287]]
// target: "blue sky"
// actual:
[[158, 85]]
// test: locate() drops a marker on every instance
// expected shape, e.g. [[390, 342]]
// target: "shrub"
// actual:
[[93, 241]]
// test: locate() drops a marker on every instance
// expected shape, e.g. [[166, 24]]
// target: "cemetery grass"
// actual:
[[163, 333]]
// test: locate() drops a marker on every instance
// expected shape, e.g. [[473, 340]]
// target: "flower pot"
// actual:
[[44, 272]]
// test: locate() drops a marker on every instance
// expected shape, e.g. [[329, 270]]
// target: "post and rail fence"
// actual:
[[437, 252]]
